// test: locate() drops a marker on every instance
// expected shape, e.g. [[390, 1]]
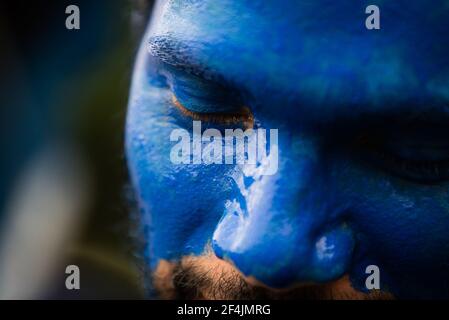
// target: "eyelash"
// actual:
[[243, 117]]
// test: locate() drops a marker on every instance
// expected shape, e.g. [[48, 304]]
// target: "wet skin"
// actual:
[[363, 120]]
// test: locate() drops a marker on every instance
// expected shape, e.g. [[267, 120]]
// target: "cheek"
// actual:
[[394, 211], [401, 226], [181, 204]]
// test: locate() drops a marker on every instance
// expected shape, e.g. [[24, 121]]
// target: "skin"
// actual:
[[363, 153]]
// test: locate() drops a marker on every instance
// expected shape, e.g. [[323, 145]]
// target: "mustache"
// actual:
[[207, 277], [192, 282]]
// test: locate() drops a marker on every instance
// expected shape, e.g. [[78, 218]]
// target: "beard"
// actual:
[[208, 277]]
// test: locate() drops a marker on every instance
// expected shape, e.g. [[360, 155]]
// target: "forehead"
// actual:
[[318, 52]]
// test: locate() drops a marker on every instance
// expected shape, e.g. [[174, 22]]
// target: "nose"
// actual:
[[286, 229]]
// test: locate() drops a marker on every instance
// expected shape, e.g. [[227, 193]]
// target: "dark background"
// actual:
[[69, 87]]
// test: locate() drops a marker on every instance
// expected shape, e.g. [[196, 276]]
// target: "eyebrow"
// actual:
[[184, 55], [181, 55]]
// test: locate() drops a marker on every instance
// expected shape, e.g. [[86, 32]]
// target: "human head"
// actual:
[[363, 156]]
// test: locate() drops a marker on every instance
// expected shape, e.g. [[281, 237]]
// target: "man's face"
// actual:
[[363, 151]]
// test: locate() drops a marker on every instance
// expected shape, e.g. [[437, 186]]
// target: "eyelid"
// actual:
[[424, 167], [408, 146], [201, 95], [242, 116]]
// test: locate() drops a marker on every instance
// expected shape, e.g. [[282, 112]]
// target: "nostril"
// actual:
[[217, 249], [280, 261], [332, 254]]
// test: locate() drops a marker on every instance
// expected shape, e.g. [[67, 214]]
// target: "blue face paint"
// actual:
[[363, 156]]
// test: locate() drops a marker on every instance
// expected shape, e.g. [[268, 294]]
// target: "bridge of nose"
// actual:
[[283, 229]]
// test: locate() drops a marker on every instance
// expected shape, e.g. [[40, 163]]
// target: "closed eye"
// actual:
[[207, 100], [419, 156], [242, 117]]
